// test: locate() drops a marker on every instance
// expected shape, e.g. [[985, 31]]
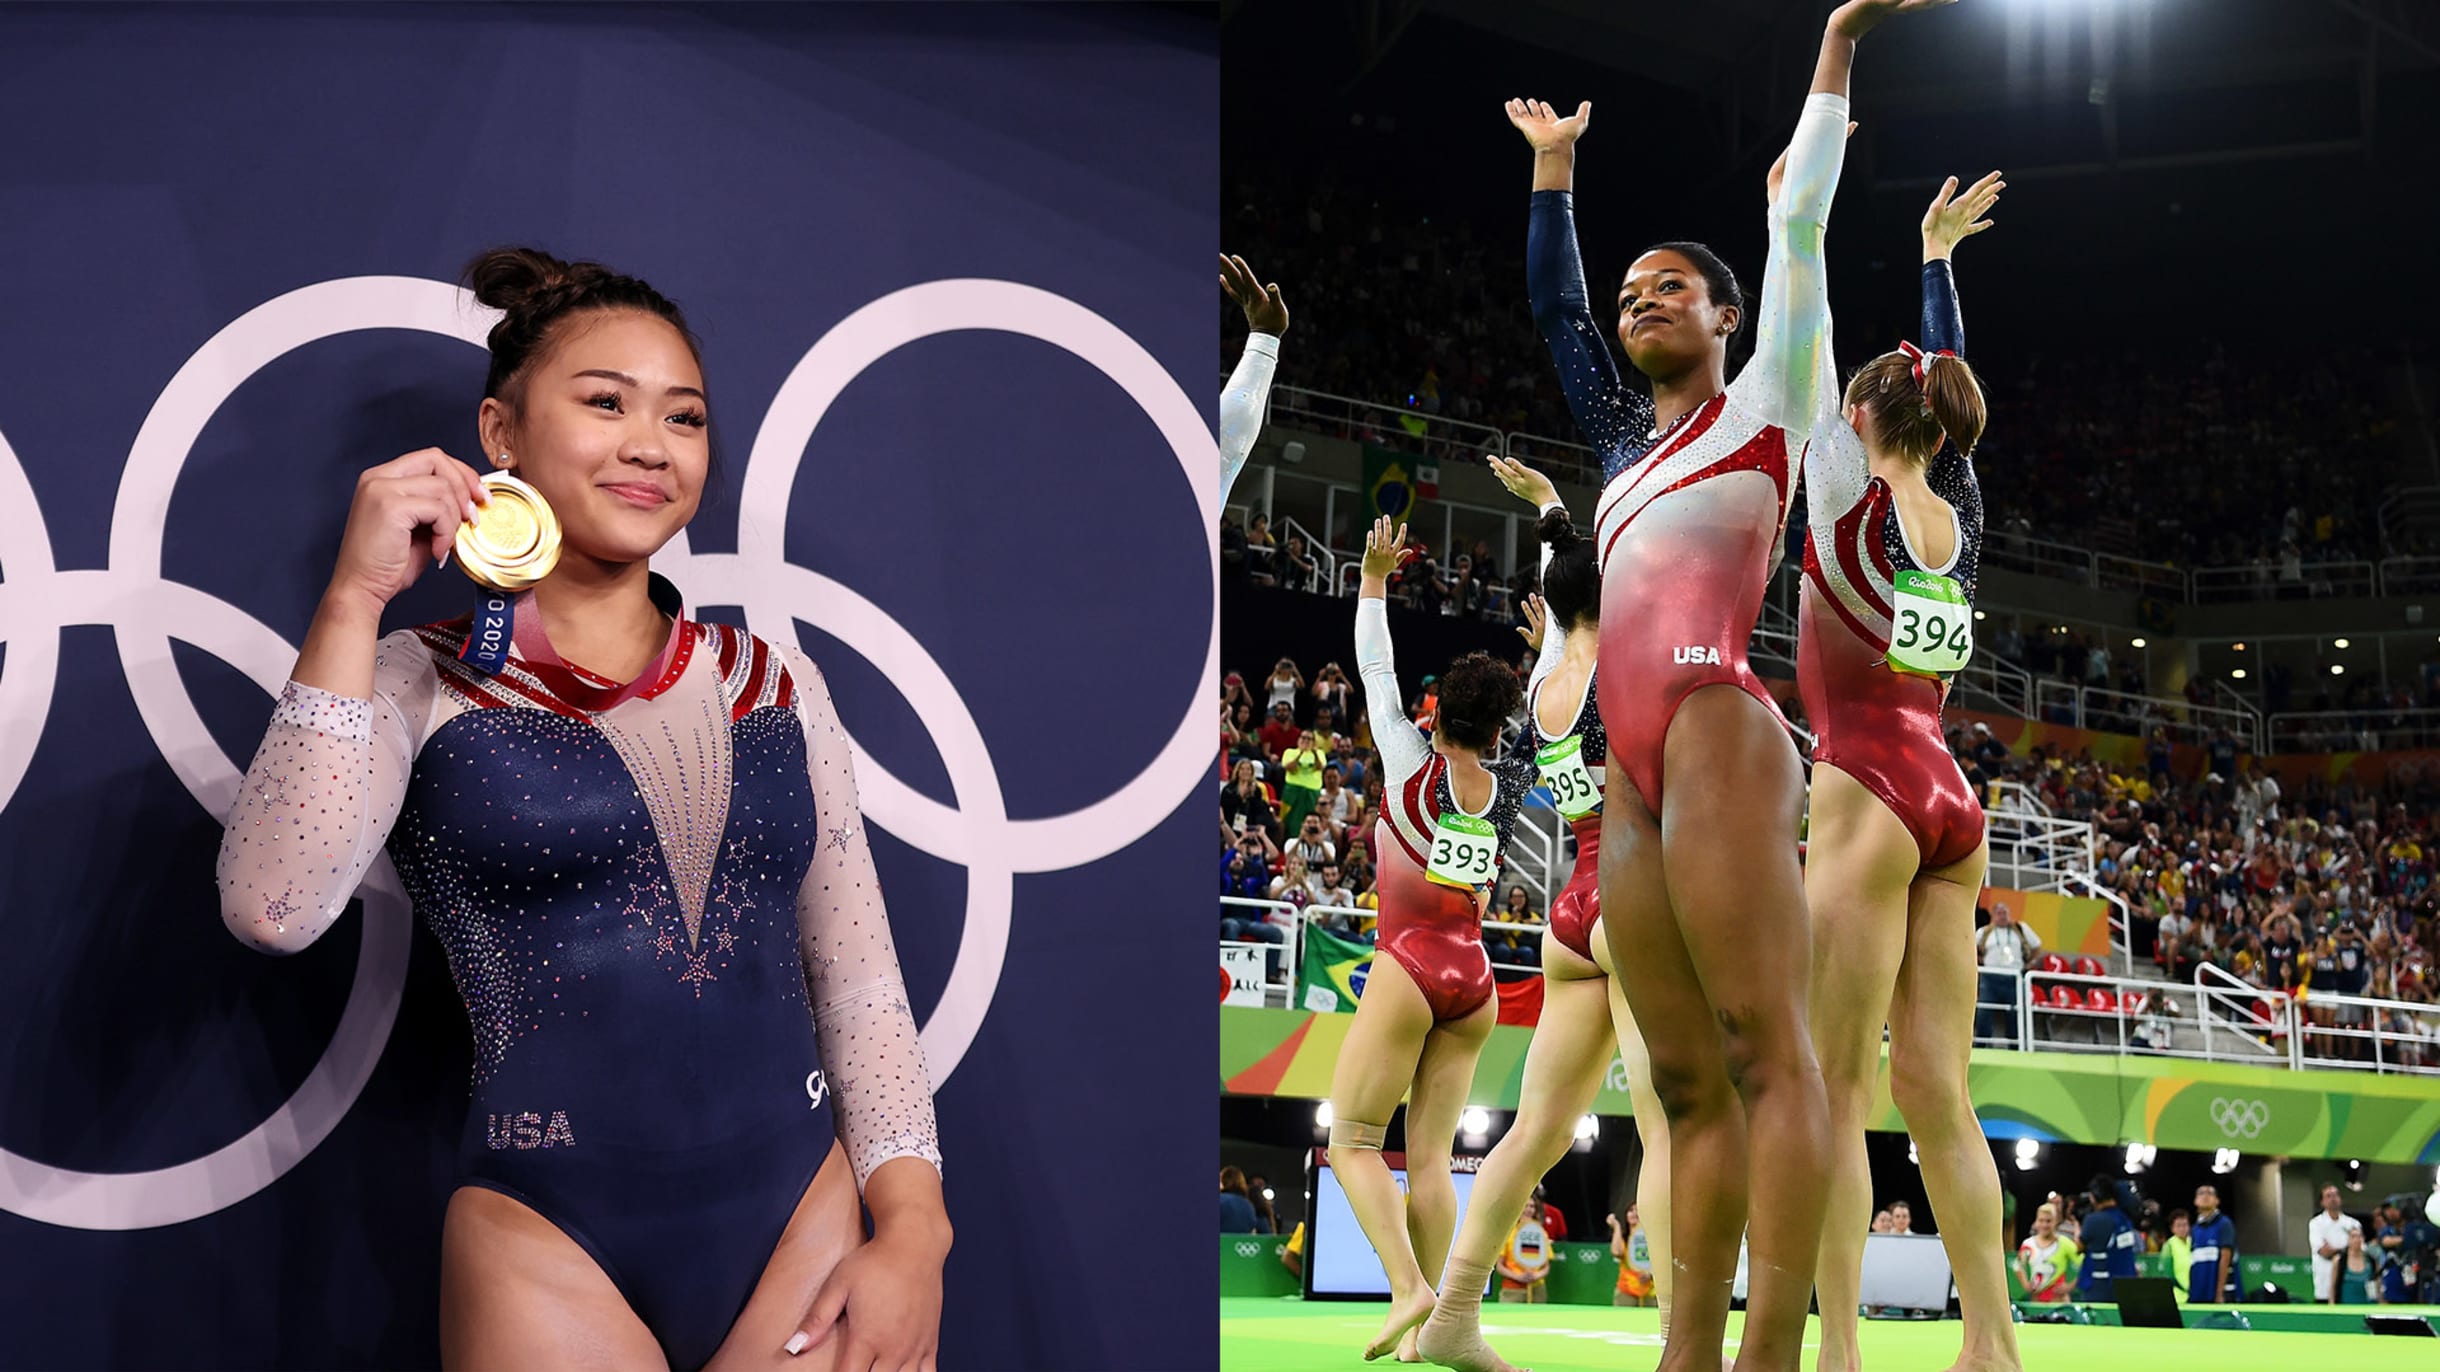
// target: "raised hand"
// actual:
[[1265, 312], [1954, 216], [405, 517], [1384, 548], [1544, 129], [1537, 622], [1859, 17], [1522, 481]]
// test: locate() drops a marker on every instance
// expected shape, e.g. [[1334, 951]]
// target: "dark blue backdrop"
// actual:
[[1007, 506]]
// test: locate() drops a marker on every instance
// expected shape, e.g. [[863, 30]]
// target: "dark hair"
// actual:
[[1718, 281], [1478, 693], [1914, 418], [1571, 585], [535, 292]]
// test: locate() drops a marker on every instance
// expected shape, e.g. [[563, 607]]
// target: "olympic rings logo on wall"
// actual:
[[146, 612], [2240, 1118]]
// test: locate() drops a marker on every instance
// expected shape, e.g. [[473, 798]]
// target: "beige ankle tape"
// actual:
[[1354, 1134]]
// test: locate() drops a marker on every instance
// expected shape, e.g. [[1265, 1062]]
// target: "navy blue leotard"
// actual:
[[659, 907]]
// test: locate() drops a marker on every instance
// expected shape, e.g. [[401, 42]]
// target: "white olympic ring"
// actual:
[[146, 613], [1249, 1250], [2247, 1118]]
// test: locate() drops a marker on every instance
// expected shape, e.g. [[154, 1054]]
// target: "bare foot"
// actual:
[[1403, 1316], [1986, 1362], [1457, 1343], [1406, 1344]]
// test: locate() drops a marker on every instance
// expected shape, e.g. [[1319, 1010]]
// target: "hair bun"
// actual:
[[513, 279], [1557, 528]]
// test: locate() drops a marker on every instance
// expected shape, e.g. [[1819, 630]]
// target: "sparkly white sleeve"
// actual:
[[1554, 636], [1401, 744], [1792, 340], [870, 1050], [1242, 405], [318, 802]]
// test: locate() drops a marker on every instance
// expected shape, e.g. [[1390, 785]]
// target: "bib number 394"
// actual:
[[1571, 783], [1931, 626], [1463, 851]]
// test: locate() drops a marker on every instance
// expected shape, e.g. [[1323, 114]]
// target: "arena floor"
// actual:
[[1285, 1334]]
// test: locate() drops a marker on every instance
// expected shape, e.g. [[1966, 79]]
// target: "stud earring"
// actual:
[[502, 460]]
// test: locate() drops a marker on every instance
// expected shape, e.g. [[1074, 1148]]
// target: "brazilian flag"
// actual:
[[1332, 977], [1389, 484]]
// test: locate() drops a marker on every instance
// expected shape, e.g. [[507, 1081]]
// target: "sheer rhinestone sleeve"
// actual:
[[1242, 405], [870, 1051], [318, 802]]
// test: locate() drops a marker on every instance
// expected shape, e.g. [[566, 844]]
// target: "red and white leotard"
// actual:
[[1578, 905], [1433, 931], [1690, 534], [1880, 726]]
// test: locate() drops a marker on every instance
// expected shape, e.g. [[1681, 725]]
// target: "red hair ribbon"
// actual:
[[1919, 358]]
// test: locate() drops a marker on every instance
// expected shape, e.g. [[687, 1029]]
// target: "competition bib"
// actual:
[[1570, 781], [2205, 1255], [1931, 628], [1463, 849]]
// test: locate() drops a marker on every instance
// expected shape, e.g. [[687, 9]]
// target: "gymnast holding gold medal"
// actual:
[[636, 836]]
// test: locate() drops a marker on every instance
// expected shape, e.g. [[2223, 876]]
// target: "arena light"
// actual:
[[2136, 642], [1269, 1194], [2139, 1157], [1979, 616], [2238, 674], [1587, 1128], [2354, 1177], [2224, 1160], [2338, 669], [2238, 646], [1476, 1122], [1913, 1154], [1321, 1116], [2028, 1154], [2338, 643]]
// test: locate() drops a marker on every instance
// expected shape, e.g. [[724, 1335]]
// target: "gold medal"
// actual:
[[514, 541]]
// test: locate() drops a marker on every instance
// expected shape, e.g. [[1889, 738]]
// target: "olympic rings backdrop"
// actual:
[[951, 266]]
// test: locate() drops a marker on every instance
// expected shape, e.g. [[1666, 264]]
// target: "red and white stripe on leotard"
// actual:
[[1853, 574], [1717, 438], [1414, 811]]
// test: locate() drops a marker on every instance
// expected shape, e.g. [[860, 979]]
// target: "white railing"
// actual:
[[2037, 852], [2120, 912], [1395, 426], [1992, 678], [2410, 575], [2215, 1016], [1554, 457], [2367, 730], [1325, 562], [2359, 1031], [2096, 707], [2270, 581], [2238, 1017]]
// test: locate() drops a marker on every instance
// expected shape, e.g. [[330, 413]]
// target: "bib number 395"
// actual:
[[1572, 790], [1931, 625], [1464, 850]]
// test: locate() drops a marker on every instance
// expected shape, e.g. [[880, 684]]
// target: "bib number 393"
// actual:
[[1931, 626], [1571, 783], [1463, 851]]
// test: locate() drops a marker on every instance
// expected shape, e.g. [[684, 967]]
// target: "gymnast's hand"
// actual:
[[1859, 17], [881, 1304], [1265, 312], [1537, 621], [1953, 218], [1384, 549], [1522, 481], [1544, 129], [405, 517]]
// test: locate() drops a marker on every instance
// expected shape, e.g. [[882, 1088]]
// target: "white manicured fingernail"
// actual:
[[797, 1344], [473, 515]]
